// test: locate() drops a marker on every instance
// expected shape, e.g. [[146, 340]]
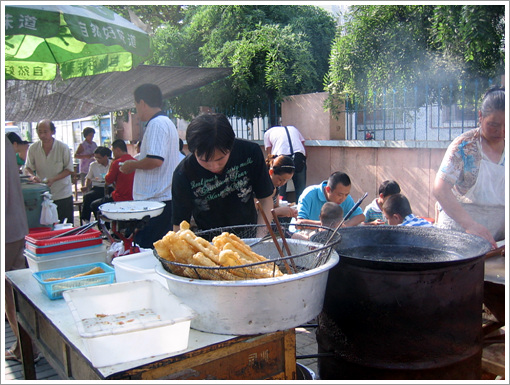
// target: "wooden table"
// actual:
[[49, 323]]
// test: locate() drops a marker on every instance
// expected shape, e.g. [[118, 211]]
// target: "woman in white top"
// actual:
[[470, 183]]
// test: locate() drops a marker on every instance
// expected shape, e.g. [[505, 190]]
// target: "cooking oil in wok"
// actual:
[[400, 254]]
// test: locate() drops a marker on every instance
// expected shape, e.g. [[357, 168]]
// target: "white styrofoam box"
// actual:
[[80, 256], [137, 266], [128, 321]]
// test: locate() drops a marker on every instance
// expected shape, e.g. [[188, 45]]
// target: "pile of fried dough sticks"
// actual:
[[226, 250]]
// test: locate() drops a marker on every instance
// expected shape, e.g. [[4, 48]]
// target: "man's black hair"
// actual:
[[338, 177], [210, 132], [150, 94], [119, 143]]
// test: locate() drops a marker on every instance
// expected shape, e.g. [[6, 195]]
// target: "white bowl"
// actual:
[[131, 210]]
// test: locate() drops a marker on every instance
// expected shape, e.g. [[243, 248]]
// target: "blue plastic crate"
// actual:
[[54, 289]]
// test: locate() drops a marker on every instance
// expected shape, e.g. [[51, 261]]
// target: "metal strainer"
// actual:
[[304, 254]]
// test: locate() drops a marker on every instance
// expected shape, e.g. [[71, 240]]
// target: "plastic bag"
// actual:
[[49, 214], [115, 250]]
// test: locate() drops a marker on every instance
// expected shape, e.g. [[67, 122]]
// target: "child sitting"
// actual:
[[397, 210], [330, 216], [373, 212]]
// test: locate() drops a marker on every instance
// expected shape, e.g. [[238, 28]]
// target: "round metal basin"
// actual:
[[253, 306]]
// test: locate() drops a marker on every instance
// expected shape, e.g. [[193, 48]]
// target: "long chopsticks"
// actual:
[[273, 235], [282, 236], [496, 252]]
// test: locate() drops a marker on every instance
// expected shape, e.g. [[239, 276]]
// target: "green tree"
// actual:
[[397, 46], [274, 51], [152, 15], [473, 33]]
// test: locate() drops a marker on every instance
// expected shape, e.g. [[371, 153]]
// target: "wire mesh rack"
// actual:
[[299, 254]]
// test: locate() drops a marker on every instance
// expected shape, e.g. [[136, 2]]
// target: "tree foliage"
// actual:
[[473, 33], [274, 51], [152, 15], [392, 46]]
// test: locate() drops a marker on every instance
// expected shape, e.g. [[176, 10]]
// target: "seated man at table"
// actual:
[[337, 190], [95, 187], [122, 183]]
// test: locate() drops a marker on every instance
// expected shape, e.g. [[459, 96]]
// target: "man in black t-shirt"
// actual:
[[221, 179]]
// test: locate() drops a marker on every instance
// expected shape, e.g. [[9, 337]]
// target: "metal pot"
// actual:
[[254, 306], [403, 303]]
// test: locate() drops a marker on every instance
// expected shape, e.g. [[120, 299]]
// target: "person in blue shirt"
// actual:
[[336, 189], [397, 210], [373, 212]]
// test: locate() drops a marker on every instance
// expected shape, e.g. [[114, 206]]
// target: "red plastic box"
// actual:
[[39, 243], [34, 230]]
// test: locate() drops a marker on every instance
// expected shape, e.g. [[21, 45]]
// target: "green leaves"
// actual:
[[395, 46], [274, 51]]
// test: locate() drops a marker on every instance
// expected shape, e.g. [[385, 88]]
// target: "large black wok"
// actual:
[[408, 248], [403, 303]]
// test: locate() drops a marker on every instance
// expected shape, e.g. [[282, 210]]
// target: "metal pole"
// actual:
[[405, 119], [394, 115], [384, 114], [451, 109], [463, 103], [415, 108], [426, 111]]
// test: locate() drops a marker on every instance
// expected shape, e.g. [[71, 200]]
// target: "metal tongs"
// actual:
[[76, 230], [349, 213]]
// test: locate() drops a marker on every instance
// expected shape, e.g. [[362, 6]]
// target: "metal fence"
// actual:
[[252, 129], [428, 113], [437, 112]]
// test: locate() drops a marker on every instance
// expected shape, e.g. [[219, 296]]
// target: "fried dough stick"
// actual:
[[218, 274], [231, 258], [95, 270], [240, 247], [172, 248]]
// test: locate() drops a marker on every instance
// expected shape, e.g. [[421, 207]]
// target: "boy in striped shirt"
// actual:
[[397, 210]]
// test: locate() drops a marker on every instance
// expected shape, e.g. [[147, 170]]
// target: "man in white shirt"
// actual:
[[49, 161], [276, 142], [159, 155]]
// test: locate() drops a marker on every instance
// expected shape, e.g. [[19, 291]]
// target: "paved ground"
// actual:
[[306, 345], [13, 370]]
